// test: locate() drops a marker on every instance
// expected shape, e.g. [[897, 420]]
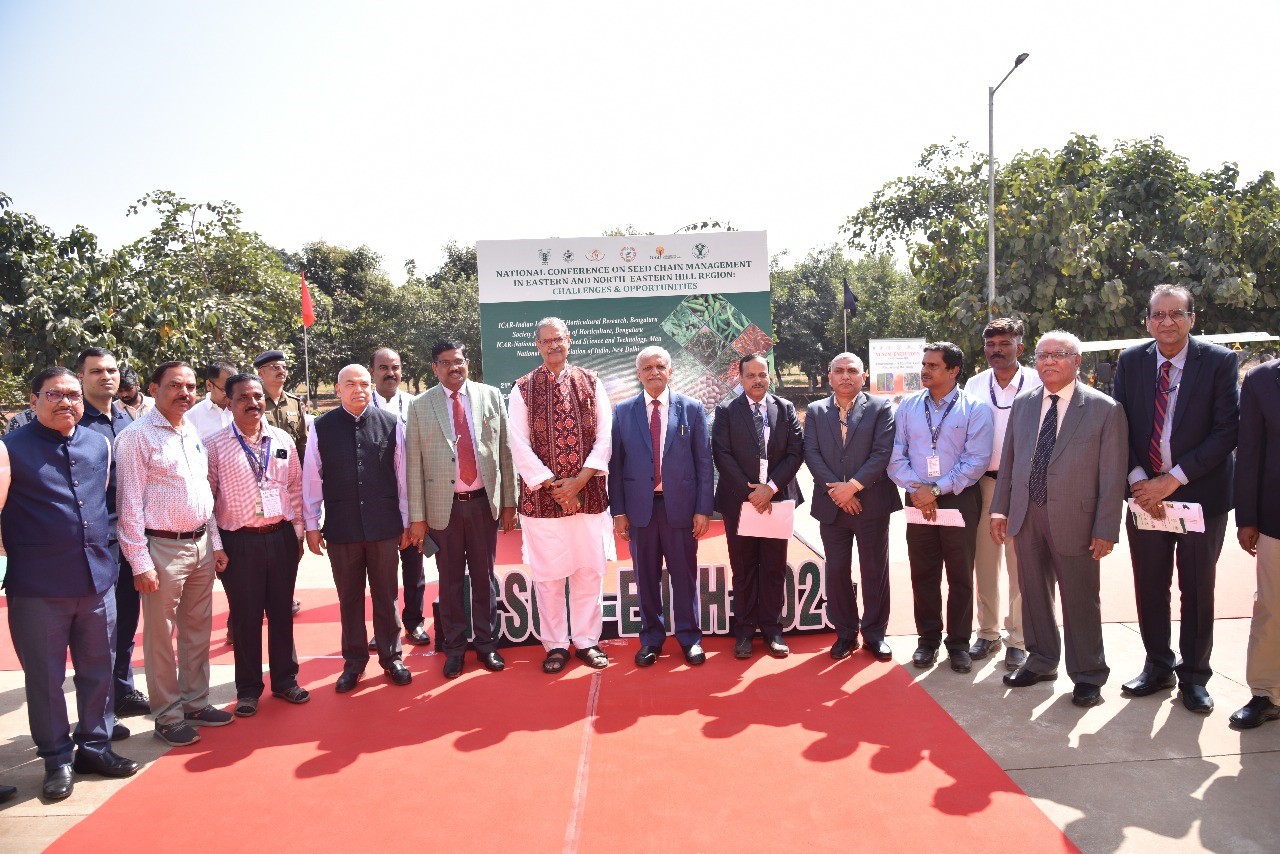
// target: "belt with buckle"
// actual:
[[467, 496], [177, 535], [265, 529]]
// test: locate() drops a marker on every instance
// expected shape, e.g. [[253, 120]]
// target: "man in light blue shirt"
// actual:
[[941, 449]]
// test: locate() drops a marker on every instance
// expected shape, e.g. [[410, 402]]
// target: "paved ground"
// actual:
[[1129, 775]]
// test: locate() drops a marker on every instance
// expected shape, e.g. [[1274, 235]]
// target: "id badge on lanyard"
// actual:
[[935, 466], [269, 503]]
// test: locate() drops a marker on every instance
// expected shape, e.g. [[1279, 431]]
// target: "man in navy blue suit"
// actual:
[[660, 499], [61, 579], [1182, 399]]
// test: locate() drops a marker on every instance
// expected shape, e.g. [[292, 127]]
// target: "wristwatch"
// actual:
[[935, 489]]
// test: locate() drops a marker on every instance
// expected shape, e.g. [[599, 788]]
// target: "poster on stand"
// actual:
[[895, 365]]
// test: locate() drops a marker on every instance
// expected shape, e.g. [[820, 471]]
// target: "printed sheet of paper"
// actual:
[[777, 524], [947, 517], [1180, 517]]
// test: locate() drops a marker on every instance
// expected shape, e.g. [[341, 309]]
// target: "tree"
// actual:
[[1083, 235]]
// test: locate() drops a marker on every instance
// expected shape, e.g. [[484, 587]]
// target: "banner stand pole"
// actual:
[[306, 365]]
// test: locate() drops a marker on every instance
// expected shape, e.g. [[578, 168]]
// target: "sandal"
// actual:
[[246, 707], [594, 657], [295, 694], [555, 661]]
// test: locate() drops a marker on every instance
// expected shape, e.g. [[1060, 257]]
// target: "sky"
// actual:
[[403, 126]]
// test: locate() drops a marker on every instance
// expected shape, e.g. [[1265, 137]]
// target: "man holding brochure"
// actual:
[[941, 447], [757, 446]]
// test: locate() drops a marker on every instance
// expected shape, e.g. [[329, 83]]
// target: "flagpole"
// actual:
[[846, 330], [306, 365]]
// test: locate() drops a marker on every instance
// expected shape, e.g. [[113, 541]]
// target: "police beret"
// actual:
[[268, 357]]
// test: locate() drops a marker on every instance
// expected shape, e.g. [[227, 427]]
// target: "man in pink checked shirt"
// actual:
[[257, 503]]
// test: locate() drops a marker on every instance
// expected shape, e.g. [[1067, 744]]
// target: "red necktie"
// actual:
[[655, 437], [466, 451], [1157, 427]]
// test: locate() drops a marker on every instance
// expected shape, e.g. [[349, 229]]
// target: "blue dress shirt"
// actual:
[[964, 442]]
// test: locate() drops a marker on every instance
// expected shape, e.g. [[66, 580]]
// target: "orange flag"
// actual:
[[308, 310]]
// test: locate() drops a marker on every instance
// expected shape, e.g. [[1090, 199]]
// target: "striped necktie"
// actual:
[[1038, 483], [1157, 426]]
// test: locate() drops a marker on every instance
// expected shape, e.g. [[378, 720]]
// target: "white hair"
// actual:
[[1061, 335], [550, 321], [854, 356], [653, 350]]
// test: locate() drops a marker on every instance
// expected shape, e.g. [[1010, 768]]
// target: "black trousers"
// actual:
[[261, 572], [933, 548], [873, 566], [128, 610], [759, 567], [1154, 555], [352, 565], [414, 579], [468, 547]]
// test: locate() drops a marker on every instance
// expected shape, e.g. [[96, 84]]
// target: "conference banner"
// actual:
[[895, 365], [702, 296]]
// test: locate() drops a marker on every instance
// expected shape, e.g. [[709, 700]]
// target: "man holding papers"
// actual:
[[941, 447], [1181, 397], [1059, 496], [757, 445]]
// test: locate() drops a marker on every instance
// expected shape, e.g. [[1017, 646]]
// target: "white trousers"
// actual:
[[986, 577], [1262, 667], [583, 609]]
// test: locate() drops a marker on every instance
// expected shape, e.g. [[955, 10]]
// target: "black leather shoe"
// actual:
[[982, 648], [58, 783], [1145, 684], [373, 644], [842, 648], [132, 705], [924, 657], [120, 732], [879, 649], [297, 606], [1086, 694], [1256, 712], [106, 764], [452, 667], [1196, 698], [1014, 658], [646, 656], [1024, 677], [492, 661], [398, 673], [961, 662], [694, 655], [742, 649], [7, 792], [419, 637], [776, 647], [347, 681]]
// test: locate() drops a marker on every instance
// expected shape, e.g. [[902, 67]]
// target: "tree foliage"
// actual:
[[1082, 236]]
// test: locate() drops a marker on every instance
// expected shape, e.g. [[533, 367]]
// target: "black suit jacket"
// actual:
[[1258, 457], [733, 447], [863, 456], [1206, 418]]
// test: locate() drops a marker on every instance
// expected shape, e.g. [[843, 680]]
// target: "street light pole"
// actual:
[[991, 185]]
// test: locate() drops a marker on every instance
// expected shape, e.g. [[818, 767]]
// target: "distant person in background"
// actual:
[[130, 394], [389, 397], [213, 414], [1258, 531], [53, 510], [996, 387], [99, 374], [848, 440], [941, 447]]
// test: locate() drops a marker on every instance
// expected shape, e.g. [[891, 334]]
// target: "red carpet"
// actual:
[[750, 756]]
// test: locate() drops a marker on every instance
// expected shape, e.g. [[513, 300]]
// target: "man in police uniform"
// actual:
[[284, 409]]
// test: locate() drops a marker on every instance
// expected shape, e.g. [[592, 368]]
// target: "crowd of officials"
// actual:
[[118, 508]]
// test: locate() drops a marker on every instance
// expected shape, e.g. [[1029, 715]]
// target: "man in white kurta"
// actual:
[[561, 440]]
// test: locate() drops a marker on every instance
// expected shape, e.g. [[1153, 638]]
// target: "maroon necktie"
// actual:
[[466, 451], [655, 437], [1157, 427]]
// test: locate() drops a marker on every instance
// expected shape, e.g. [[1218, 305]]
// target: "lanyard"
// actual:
[[259, 465], [928, 416], [991, 380]]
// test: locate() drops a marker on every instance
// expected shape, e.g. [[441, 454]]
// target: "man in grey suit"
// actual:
[[1059, 495], [462, 487], [848, 439]]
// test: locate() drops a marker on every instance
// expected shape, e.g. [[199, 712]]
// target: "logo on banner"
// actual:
[[663, 255], [628, 254], [699, 251], [595, 255], [545, 255], [568, 256]]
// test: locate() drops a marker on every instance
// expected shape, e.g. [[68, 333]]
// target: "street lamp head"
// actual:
[[1022, 57]]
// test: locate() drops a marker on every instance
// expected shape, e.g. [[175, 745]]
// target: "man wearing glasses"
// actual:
[[1183, 404], [462, 487], [1059, 496], [213, 414]]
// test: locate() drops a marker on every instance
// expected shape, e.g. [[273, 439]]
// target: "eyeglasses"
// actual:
[[58, 396], [451, 363], [559, 339], [1176, 315], [1055, 356]]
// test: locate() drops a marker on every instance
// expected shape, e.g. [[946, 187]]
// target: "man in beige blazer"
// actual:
[[461, 487]]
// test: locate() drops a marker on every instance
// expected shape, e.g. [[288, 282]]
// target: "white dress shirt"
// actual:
[[397, 404], [985, 387], [209, 418]]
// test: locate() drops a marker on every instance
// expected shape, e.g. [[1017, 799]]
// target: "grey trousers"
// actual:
[[183, 606]]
